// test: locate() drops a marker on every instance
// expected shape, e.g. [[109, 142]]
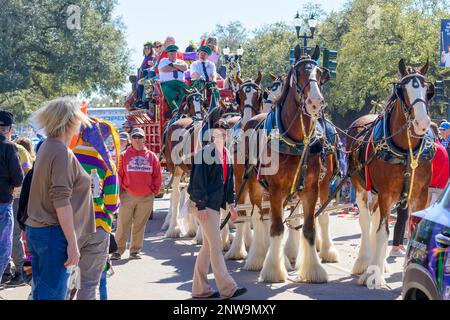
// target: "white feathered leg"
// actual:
[[373, 277], [274, 269], [260, 243], [328, 252], [174, 229], [365, 252], [310, 268], [225, 232]]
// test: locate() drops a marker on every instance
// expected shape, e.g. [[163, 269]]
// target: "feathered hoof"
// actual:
[[372, 280], [312, 274], [236, 254], [253, 264], [330, 256], [361, 265], [318, 244], [191, 233], [165, 226], [273, 273], [173, 233]]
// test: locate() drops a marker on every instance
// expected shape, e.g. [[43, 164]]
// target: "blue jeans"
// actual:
[[103, 289], [6, 233], [48, 249]]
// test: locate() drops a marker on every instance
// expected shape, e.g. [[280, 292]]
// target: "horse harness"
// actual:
[[379, 139]]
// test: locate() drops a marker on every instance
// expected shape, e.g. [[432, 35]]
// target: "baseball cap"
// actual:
[[6, 118], [444, 126], [137, 132], [124, 136]]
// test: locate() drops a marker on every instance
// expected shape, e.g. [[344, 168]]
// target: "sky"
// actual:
[[189, 19]]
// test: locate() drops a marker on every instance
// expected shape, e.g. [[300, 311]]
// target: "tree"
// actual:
[[268, 50], [48, 52], [231, 35]]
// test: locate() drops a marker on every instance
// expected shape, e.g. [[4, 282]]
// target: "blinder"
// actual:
[[398, 89]]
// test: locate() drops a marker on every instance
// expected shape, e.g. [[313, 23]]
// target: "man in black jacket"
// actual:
[[11, 177], [211, 188]]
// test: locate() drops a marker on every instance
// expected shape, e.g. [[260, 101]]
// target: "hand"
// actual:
[[201, 215], [73, 254], [150, 63], [234, 213]]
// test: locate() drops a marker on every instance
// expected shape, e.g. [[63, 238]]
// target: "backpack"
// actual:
[[22, 214]]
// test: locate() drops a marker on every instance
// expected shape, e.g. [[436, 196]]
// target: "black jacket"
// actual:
[[11, 174], [206, 187]]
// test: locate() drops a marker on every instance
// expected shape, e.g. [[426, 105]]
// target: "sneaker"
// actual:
[[238, 292], [135, 256], [397, 253], [115, 256], [16, 281]]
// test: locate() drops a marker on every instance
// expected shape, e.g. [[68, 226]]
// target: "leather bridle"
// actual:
[[247, 87]]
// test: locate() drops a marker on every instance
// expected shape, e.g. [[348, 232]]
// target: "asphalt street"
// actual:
[[166, 270]]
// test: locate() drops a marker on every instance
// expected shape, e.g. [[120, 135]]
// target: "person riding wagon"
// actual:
[[171, 76], [203, 74]]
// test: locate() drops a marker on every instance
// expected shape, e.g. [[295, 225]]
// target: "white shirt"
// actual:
[[447, 59], [168, 76], [197, 67]]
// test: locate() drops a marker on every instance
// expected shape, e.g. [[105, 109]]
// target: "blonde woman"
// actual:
[[60, 207]]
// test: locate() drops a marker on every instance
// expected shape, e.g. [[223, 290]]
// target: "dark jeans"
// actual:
[[48, 249], [400, 224], [6, 232]]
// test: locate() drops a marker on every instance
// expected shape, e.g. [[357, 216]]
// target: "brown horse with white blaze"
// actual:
[[299, 106], [407, 124]]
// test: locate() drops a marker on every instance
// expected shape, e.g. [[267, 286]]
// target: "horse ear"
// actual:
[[297, 52], [425, 68], [259, 79], [316, 53], [272, 76], [402, 67], [325, 76]]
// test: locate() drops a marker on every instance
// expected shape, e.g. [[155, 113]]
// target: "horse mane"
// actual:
[[286, 88]]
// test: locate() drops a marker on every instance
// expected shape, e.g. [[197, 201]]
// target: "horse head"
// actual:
[[249, 97], [273, 91], [415, 92], [194, 104], [307, 78]]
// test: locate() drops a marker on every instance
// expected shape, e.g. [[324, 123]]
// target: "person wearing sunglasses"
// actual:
[[127, 127], [140, 180]]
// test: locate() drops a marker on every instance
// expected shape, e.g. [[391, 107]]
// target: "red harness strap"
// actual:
[[368, 149]]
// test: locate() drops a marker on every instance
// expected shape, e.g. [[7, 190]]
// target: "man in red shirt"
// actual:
[[440, 175], [140, 180]]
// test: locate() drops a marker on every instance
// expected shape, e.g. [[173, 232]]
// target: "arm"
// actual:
[[197, 185], [60, 192], [214, 73], [14, 168], [156, 175], [180, 65], [120, 172], [65, 218]]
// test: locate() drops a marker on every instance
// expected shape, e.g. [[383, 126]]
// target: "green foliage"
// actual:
[[41, 57]]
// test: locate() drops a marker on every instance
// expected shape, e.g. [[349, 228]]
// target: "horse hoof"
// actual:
[[273, 274], [173, 233], [361, 265], [330, 256], [313, 274], [254, 265], [226, 246], [191, 234], [236, 255], [371, 280]]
